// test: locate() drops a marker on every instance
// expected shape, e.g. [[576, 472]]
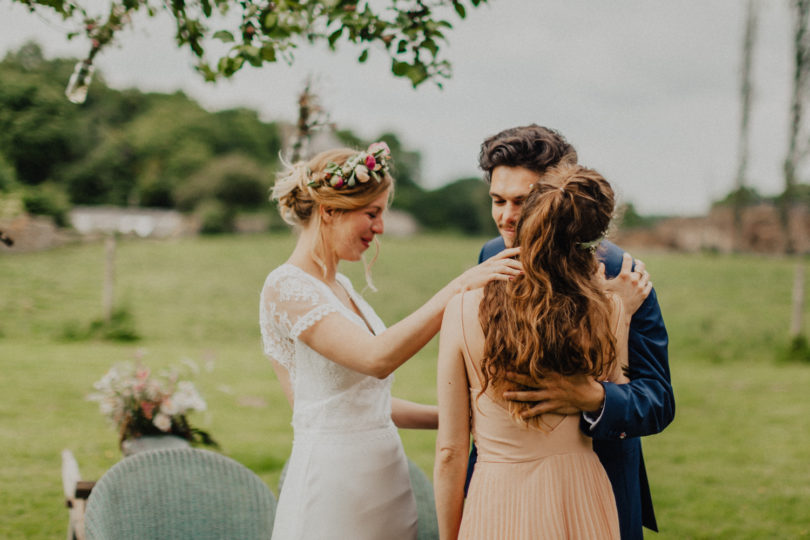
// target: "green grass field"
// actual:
[[734, 464]]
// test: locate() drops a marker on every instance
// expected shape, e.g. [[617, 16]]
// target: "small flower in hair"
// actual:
[[371, 163], [380, 149], [592, 245], [361, 173]]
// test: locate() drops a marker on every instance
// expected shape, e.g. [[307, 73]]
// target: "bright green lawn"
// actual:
[[734, 464]]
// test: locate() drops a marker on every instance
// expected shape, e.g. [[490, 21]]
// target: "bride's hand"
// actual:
[[502, 266], [631, 286]]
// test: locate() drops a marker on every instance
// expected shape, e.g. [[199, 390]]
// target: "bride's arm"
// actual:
[[453, 438], [410, 415], [351, 346]]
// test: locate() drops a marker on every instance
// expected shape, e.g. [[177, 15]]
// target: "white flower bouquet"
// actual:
[[139, 403]]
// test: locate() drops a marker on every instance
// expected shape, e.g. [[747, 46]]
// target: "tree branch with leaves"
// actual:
[[411, 32]]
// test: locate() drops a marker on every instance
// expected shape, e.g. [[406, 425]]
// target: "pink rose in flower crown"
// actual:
[[380, 145], [371, 163]]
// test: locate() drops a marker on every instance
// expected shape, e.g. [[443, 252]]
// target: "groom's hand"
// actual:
[[557, 394]]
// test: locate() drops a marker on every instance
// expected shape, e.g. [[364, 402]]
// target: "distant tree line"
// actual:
[[130, 148], [749, 196]]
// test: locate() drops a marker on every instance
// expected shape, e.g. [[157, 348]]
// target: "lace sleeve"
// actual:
[[289, 305]]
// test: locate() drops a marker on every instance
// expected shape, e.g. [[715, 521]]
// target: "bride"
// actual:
[[348, 474]]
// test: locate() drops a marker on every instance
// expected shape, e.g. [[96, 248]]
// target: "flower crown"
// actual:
[[361, 167]]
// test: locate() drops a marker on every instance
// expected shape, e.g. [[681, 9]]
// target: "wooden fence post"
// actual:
[[108, 293], [797, 318]]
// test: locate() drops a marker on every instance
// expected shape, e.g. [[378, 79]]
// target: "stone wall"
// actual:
[[142, 222], [32, 233]]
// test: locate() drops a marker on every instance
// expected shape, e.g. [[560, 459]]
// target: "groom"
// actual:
[[613, 415]]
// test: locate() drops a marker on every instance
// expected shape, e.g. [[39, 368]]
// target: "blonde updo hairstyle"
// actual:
[[299, 202]]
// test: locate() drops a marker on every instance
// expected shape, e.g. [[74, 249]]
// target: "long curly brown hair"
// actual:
[[554, 317]]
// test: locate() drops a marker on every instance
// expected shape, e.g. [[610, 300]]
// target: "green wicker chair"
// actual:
[[179, 493], [428, 525]]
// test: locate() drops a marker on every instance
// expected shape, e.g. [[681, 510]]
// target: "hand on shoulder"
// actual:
[[502, 266]]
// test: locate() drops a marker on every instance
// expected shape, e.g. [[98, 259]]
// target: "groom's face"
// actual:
[[508, 188]]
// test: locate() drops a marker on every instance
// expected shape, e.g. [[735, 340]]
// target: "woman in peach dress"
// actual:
[[536, 477]]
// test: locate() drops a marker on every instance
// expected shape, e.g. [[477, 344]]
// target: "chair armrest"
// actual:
[[83, 488]]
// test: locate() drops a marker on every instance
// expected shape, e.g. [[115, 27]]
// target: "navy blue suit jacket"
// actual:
[[644, 406]]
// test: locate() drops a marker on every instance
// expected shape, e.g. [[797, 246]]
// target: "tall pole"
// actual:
[[108, 292], [797, 316], [796, 148], [744, 141], [311, 118]]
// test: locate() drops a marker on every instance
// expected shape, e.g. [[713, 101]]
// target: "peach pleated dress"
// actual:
[[530, 483]]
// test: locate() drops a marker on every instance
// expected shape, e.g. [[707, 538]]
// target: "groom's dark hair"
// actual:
[[533, 147]]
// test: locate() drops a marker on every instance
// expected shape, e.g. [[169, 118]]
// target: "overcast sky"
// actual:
[[646, 90]]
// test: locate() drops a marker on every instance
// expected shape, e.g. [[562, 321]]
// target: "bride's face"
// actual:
[[349, 234]]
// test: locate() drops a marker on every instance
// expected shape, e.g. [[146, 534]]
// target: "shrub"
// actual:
[[8, 176], [47, 200], [462, 206], [798, 350], [234, 180], [215, 217], [155, 192], [121, 327]]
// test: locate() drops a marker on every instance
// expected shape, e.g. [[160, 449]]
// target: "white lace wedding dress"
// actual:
[[347, 476]]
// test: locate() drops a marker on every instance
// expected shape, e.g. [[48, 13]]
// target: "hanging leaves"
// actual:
[[265, 30]]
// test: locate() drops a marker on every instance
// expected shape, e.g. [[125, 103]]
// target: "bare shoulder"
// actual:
[[453, 314], [464, 303], [472, 299], [471, 325], [452, 309]]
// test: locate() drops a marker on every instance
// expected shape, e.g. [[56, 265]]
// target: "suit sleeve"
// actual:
[[645, 405], [491, 248]]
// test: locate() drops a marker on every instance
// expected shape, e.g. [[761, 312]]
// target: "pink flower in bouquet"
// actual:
[[148, 408]]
